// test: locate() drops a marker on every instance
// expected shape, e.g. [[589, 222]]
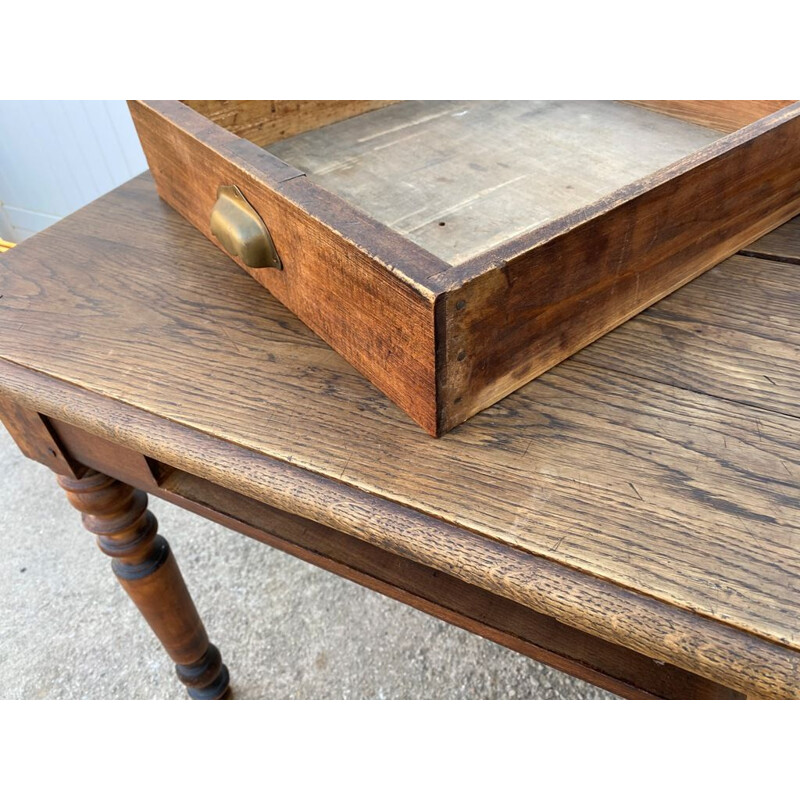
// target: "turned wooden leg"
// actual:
[[144, 565]]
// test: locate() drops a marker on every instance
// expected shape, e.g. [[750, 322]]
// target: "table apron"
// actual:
[[499, 619]]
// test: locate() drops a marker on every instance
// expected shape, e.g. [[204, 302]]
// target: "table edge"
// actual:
[[713, 648]]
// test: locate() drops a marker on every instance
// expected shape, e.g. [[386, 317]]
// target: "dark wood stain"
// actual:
[[146, 569]]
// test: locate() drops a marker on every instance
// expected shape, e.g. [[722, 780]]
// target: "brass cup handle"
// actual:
[[240, 230]]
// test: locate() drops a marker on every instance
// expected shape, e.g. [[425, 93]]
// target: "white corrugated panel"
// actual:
[[56, 156]]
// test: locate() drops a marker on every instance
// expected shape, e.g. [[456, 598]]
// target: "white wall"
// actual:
[[56, 156]]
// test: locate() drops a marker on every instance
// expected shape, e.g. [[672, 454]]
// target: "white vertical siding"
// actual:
[[56, 156]]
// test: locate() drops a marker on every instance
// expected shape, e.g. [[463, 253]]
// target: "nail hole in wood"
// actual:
[[461, 356], [460, 304]]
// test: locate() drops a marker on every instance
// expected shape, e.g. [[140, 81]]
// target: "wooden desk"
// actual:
[[631, 517]]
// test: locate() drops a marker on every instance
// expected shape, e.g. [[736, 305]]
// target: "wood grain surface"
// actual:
[[143, 563], [719, 652], [35, 438], [721, 115], [782, 244], [739, 325], [638, 506], [544, 296], [511, 624], [468, 247], [265, 121], [350, 279], [459, 177]]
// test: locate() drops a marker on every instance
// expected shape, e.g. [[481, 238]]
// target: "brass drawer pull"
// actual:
[[241, 231]]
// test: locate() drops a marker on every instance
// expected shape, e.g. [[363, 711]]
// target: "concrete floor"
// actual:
[[286, 629]]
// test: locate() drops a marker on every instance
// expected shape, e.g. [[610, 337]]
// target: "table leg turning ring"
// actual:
[[143, 563]]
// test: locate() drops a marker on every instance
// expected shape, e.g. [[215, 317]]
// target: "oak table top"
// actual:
[[643, 492]]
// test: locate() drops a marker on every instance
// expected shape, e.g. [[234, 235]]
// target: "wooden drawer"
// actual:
[[453, 251]]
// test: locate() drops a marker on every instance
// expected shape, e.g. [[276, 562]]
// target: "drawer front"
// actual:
[[360, 298]]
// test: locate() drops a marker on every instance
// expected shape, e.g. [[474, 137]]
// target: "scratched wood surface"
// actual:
[[461, 177], [646, 460]]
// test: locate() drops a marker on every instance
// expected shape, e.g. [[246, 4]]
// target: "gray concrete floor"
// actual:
[[286, 629]]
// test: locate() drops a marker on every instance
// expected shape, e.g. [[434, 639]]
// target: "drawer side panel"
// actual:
[[535, 308]]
